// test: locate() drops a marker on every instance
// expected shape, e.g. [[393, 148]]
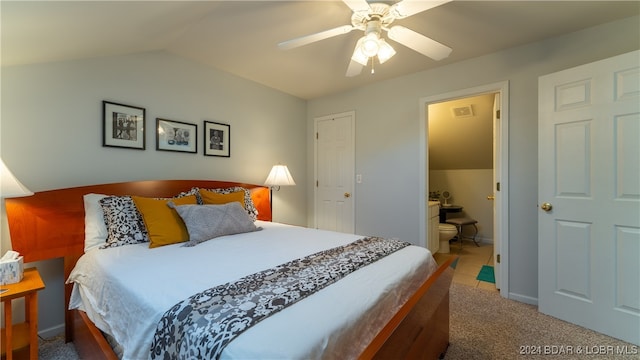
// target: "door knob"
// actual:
[[490, 197], [347, 195], [546, 207]]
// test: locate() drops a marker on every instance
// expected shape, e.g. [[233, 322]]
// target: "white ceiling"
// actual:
[[240, 37]]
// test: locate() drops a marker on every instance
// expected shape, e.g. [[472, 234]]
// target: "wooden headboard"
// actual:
[[50, 224]]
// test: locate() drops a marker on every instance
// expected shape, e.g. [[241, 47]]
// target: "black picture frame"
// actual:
[[172, 135], [217, 139], [123, 126]]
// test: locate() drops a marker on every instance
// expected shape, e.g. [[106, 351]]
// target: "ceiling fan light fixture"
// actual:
[[361, 54], [358, 55], [370, 44], [386, 51]]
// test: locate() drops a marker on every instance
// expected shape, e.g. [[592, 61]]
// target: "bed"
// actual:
[[411, 321]]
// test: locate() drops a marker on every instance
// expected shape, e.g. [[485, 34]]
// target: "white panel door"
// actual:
[[589, 196], [335, 172]]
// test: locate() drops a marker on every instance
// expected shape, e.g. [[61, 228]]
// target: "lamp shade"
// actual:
[[10, 186], [370, 45], [279, 176], [359, 56], [386, 51]]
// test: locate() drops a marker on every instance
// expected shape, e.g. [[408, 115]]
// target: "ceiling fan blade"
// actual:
[[406, 8], [357, 5], [354, 69], [419, 42], [308, 39]]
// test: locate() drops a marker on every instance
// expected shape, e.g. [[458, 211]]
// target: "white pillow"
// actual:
[[95, 228]]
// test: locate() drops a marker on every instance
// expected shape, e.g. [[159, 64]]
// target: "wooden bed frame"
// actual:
[[50, 224]]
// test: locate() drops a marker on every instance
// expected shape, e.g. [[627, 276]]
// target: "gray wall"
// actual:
[[388, 134], [468, 188], [51, 134]]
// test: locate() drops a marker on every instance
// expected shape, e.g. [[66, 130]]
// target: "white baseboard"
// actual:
[[523, 298], [484, 240], [51, 332]]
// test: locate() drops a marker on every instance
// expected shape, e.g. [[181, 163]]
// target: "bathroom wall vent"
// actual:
[[462, 111]]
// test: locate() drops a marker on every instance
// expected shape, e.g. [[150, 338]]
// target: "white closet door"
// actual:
[[589, 196]]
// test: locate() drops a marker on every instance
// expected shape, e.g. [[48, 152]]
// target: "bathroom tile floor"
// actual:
[[471, 260]]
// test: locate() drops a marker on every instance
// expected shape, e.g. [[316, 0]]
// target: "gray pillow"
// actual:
[[206, 222]]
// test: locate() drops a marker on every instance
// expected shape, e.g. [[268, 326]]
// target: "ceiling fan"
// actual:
[[373, 19]]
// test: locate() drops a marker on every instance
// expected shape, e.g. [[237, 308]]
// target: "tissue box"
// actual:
[[12, 271]]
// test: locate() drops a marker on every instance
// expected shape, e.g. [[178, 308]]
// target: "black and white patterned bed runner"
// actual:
[[201, 326]]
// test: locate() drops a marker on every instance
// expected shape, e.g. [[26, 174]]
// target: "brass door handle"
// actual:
[[490, 197], [546, 207], [347, 195]]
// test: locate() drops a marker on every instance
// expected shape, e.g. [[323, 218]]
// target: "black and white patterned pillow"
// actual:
[[124, 222], [125, 225], [248, 202]]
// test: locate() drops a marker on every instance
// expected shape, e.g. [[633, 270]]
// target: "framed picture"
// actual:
[[123, 126], [176, 136], [217, 139]]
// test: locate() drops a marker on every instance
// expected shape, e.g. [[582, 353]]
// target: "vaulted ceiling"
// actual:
[[241, 37]]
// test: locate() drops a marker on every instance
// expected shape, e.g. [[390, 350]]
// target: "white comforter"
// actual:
[[126, 290]]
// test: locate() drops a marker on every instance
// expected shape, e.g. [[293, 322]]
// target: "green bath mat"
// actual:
[[486, 274]]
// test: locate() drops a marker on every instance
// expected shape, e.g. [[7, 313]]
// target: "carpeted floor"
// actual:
[[485, 326], [56, 349]]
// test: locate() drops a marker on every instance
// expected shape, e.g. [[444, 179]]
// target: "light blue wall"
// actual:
[[51, 133], [388, 136]]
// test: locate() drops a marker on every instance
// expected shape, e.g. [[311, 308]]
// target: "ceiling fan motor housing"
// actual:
[[370, 44], [372, 22], [378, 12]]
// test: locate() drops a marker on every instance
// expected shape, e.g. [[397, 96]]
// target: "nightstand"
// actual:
[[25, 334]]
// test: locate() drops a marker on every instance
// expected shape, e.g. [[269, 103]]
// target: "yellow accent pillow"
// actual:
[[215, 198], [163, 223]]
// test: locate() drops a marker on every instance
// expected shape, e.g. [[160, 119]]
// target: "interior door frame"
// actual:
[[501, 233]]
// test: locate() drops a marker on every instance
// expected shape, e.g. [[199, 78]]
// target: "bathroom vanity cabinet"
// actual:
[[433, 219]]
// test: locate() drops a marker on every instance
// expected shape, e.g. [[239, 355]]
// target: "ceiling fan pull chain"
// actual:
[[373, 71]]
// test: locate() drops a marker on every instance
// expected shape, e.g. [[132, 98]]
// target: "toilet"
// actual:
[[447, 232]]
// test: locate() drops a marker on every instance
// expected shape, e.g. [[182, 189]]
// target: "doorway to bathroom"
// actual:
[[464, 142]]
